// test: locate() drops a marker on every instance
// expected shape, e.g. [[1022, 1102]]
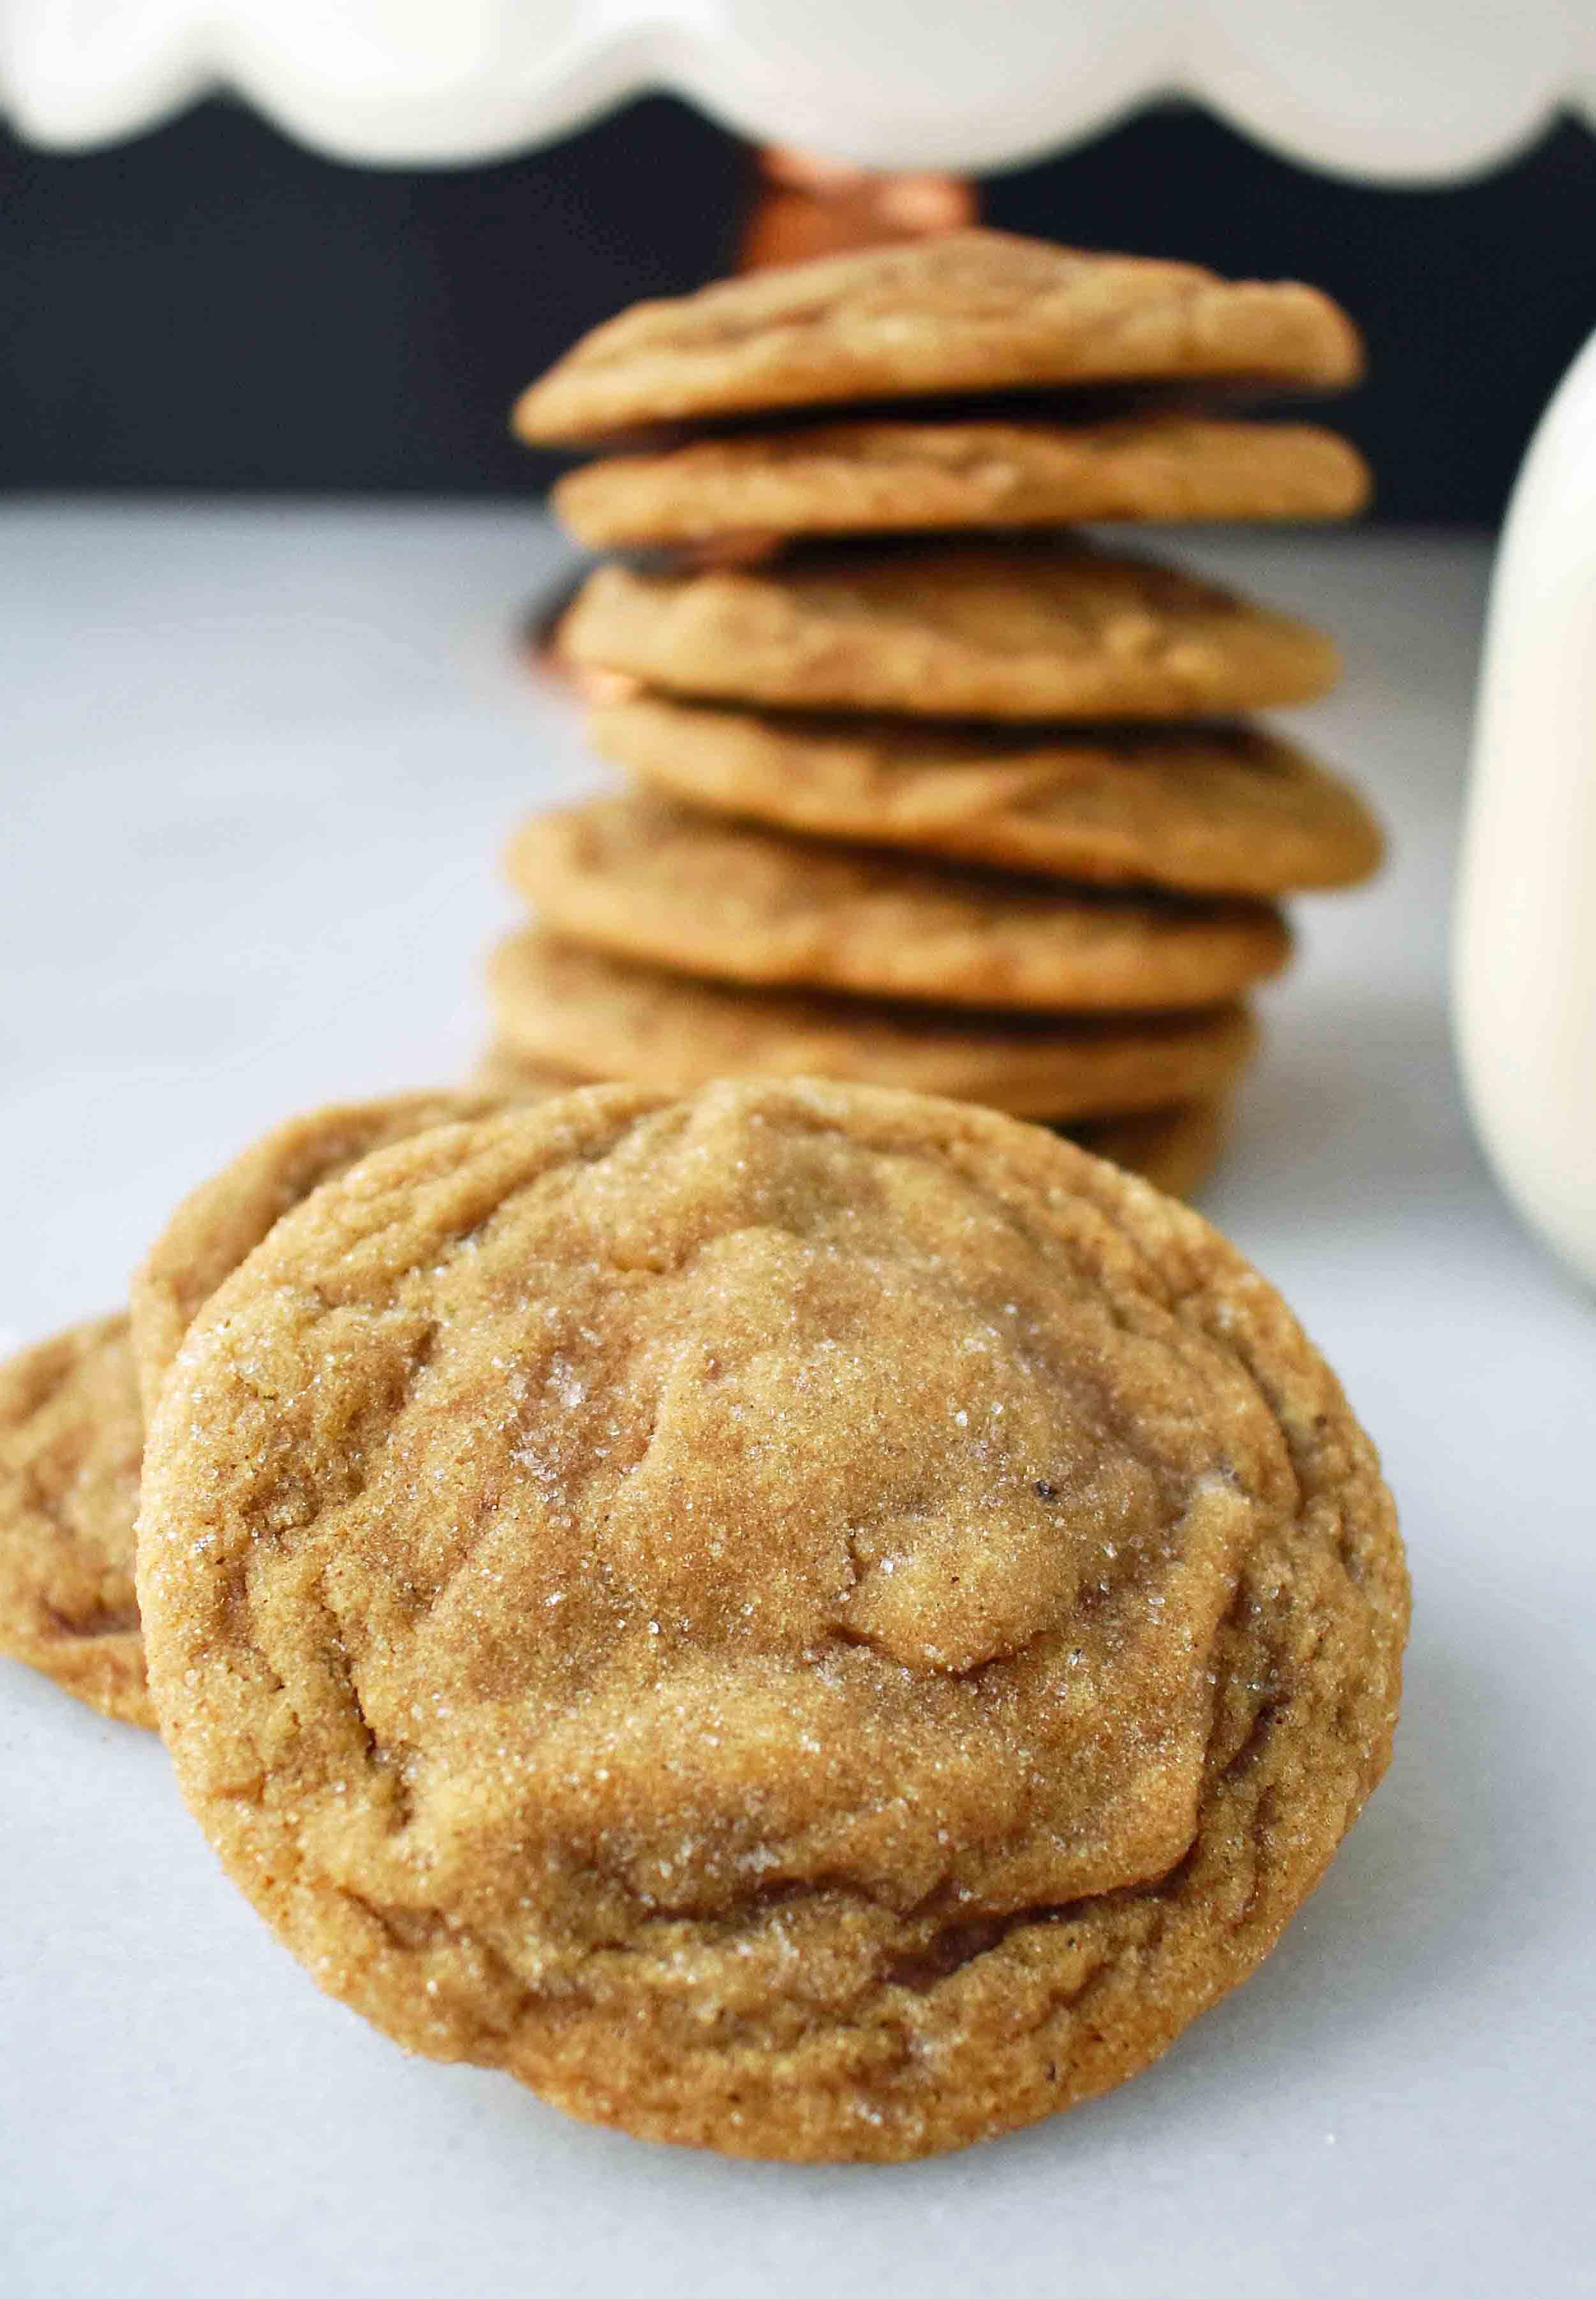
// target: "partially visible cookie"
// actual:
[[961, 311], [225, 1217], [868, 477], [799, 1620], [70, 1436], [644, 878], [1204, 810], [1176, 1149], [1021, 629], [602, 1017]]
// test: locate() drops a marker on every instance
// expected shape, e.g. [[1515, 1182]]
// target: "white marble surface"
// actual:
[[257, 762]]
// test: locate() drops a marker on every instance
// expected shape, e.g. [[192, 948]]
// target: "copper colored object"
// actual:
[[805, 206]]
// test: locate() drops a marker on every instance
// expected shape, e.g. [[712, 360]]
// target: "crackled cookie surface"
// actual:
[[651, 880], [1209, 809], [959, 311], [1016, 629], [225, 1217], [601, 1017], [861, 478], [802, 1621], [70, 1436]]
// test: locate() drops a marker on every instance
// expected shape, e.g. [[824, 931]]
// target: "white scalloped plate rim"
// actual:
[[1349, 86]]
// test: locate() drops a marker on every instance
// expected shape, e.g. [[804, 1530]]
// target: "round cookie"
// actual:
[[959, 311], [884, 478], [225, 1217], [646, 879], [70, 1436], [1202, 809], [599, 1017], [1021, 629], [803, 1620], [1176, 1149]]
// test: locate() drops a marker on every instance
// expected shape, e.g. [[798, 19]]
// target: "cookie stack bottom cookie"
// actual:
[[590, 1015]]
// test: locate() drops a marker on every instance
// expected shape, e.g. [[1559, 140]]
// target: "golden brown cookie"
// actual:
[[644, 878], [873, 477], [582, 1010], [1021, 629], [71, 1435], [1176, 1149], [801, 1621], [225, 1217], [1206, 809], [961, 311]]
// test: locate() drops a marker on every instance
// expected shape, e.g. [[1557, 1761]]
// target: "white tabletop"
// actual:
[[259, 764]]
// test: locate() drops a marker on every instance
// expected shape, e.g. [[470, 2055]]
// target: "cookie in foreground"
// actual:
[[800, 1620], [222, 1220]]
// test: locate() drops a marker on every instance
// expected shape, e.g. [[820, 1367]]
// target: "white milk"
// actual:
[[1524, 955]]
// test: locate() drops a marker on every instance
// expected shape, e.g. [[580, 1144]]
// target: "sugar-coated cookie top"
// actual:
[[223, 1220], [804, 1619]]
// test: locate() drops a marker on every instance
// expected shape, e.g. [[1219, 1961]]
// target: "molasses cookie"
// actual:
[[802, 1621]]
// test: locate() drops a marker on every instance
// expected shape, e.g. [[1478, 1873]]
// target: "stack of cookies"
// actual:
[[926, 789]]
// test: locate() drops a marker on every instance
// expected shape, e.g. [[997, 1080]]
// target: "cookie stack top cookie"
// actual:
[[915, 757], [964, 311]]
